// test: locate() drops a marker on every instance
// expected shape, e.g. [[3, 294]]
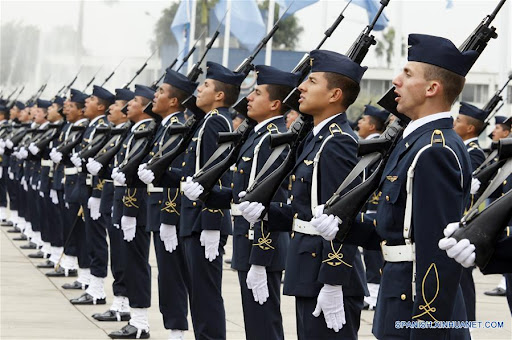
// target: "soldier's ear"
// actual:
[[434, 89], [336, 95]]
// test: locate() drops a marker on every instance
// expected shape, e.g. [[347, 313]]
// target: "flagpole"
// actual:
[[192, 34], [227, 33], [270, 24]]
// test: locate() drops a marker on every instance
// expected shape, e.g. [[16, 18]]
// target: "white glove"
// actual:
[[463, 251], [192, 189], [326, 225], [145, 175], [2, 143], [251, 211], [55, 156], [11, 174], [121, 178], [169, 237], [475, 185], [257, 282], [33, 186], [210, 240], [330, 302], [93, 166], [142, 166], [23, 153], [2, 151], [77, 161], [38, 185], [41, 194], [114, 173], [54, 196], [94, 206], [33, 149], [24, 183], [129, 226], [9, 144]]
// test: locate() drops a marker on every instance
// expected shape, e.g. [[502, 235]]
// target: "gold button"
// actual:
[[505, 182], [291, 198], [302, 179], [246, 236], [232, 185], [183, 164], [313, 254], [159, 202], [374, 223], [387, 198], [293, 234], [293, 178], [241, 171], [194, 204], [296, 215], [403, 297], [183, 178], [235, 169]]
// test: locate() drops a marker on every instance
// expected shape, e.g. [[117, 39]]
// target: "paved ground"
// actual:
[[35, 307]]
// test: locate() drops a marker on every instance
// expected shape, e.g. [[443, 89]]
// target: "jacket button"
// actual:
[[235, 169], [293, 178], [241, 171], [232, 185], [403, 297], [183, 164], [313, 254], [291, 198], [387, 198], [194, 204]]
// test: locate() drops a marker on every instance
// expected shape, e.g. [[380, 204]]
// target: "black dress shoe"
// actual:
[[30, 245], [87, 299], [366, 306], [129, 332], [60, 272], [46, 264], [37, 255], [14, 230], [112, 315], [498, 291], [22, 237], [227, 261], [75, 285], [5, 223]]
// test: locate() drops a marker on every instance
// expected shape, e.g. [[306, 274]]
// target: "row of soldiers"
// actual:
[[66, 166]]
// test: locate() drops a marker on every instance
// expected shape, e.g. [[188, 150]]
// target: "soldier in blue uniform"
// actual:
[[370, 126], [326, 277], [258, 255], [4, 124], [501, 130], [120, 308]]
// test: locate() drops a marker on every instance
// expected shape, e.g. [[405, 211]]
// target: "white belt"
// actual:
[[46, 162], [401, 253], [108, 180], [152, 188], [181, 185], [234, 210], [117, 184], [70, 171], [304, 227], [88, 180]]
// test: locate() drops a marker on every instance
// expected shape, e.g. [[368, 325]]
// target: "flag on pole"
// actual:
[[372, 7], [180, 26], [246, 22], [296, 5]]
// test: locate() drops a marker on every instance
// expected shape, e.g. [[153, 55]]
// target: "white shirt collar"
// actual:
[[467, 141], [120, 124], [78, 122], [94, 120], [373, 135], [323, 123], [33, 125], [2, 121], [136, 125], [415, 124], [265, 122], [166, 119], [42, 126]]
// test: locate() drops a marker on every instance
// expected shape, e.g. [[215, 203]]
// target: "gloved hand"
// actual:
[[2, 151], [169, 237], [463, 251], [11, 174], [118, 176], [114, 173], [475, 185], [76, 160], [33, 149], [93, 166], [41, 194], [94, 206], [55, 156], [129, 226], [251, 211], [23, 153], [192, 189], [326, 225], [54, 196], [257, 282], [38, 185], [330, 302], [145, 175], [33, 186], [9, 144], [210, 240], [2, 143], [24, 183]]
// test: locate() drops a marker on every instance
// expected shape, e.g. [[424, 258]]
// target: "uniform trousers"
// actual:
[[13, 193], [117, 262], [508, 278], [3, 188], [54, 221], [75, 229], [373, 261], [467, 284]]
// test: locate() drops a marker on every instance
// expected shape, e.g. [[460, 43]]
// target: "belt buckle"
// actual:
[[251, 234]]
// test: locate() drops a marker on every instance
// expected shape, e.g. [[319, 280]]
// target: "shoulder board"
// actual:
[[214, 112], [272, 128], [437, 138], [174, 120], [334, 128], [141, 127]]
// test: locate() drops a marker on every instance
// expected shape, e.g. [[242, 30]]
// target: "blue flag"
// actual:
[[296, 5], [180, 26], [246, 22], [372, 7]]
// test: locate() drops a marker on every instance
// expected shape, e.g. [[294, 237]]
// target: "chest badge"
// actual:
[[391, 178], [308, 162], [246, 159]]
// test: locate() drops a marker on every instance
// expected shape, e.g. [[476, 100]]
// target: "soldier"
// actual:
[[258, 255], [324, 276], [501, 130], [4, 129]]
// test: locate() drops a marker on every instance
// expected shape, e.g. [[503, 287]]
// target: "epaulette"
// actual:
[[141, 127], [272, 128], [437, 138], [335, 128]]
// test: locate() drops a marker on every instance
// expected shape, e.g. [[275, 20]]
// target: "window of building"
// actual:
[[375, 87], [475, 93]]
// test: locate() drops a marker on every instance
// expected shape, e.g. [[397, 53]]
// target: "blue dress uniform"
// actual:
[[4, 124]]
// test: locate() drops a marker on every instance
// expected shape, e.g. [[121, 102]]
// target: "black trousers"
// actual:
[[3, 188], [75, 229], [55, 223], [373, 261], [96, 243], [262, 321], [12, 190], [311, 327], [508, 278], [467, 284], [117, 263], [205, 292]]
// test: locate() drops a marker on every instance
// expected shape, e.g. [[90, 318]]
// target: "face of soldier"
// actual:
[[39, 115], [499, 132], [314, 94], [116, 116], [290, 117], [91, 107], [14, 112], [162, 103], [462, 127], [32, 112], [259, 106], [411, 86], [24, 115], [73, 112], [207, 96], [53, 113], [365, 126], [135, 107]]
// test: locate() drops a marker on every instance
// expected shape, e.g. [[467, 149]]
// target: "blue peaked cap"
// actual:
[[500, 119], [3, 108], [328, 61], [19, 105], [58, 100], [43, 104], [78, 96], [440, 52], [103, 93], [124, 94], [180, 81], [376, 112], [467, 109], [218, 72], [144, 91], [268, 75]]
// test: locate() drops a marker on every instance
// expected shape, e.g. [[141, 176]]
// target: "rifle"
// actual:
[[47, 137], [111, 74], [493, 102], [92, 79], [74, 138], [100, 138], [10, 105], [66, 88], [139, 70], [108, 152]]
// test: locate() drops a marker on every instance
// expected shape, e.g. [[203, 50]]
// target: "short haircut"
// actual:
[[452, 82], [179, 94], [231, 92], [379, 124], [478, 124], [104, 102], [279, 92], [349, 87], [506, 127], [79, 106], [144, 101]]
